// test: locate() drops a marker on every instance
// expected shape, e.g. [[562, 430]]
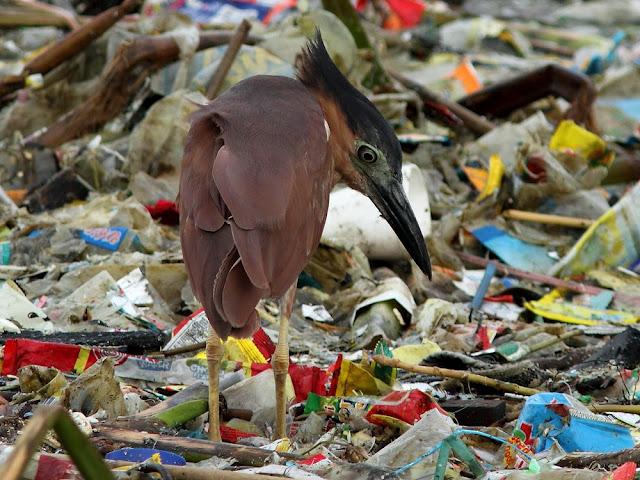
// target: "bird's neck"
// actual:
[[340, 142]]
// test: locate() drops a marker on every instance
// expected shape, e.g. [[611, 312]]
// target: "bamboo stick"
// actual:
[[602, 407], [563, 221]]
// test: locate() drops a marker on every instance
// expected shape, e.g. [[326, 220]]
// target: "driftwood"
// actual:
[[70, 46], [122, 78], [193, 450]]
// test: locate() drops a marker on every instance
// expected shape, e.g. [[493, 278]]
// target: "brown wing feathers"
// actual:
[[251, 200]]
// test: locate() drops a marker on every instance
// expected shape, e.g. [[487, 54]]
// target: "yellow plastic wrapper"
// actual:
[[572, 137], [355, 380], [612, 240], [241, 350], [414, 354], [392, 422], [553, 307], [496, 172]]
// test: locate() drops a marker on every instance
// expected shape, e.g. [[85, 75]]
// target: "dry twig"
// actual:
[[457, 374]]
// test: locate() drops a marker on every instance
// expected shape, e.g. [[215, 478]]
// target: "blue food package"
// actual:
[[547, 416], [109, 238], [141, 454]]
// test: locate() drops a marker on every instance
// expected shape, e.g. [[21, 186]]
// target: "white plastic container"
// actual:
[[354, 220]]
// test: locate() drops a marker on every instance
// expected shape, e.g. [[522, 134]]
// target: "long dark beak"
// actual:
[[394, 207]]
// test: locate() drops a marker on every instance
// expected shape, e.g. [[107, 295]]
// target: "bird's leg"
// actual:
[[280, 360], [214, 350]]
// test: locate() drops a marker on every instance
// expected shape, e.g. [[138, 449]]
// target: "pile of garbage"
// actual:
[[520, 128]]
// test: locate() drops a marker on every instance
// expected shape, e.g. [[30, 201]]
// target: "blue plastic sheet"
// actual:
[[514, 251]]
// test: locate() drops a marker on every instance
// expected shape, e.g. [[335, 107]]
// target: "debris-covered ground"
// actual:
[[519, 122]]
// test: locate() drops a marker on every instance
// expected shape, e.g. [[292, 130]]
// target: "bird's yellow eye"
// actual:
[[367, 154]]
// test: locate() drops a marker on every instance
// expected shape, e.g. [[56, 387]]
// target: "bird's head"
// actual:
[[373, 157]]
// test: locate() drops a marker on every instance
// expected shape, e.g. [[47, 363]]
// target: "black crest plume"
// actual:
[[317, 72]]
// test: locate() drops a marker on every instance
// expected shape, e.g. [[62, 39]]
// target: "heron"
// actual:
[[259, 163]]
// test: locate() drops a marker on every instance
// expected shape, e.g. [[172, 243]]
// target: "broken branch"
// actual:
[[472, 121], [69, 46], [121, 79], [457, 374]]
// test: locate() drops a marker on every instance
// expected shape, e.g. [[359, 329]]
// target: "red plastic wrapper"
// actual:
[[407, 406], [21, 352], [166, 211], [626, 471], [52, 468], [500, 299], [231, 435], [409, 12], [263, 343]]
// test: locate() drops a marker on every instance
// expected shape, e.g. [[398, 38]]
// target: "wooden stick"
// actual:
[[217, 79], [185, 472], [70, 45], [185, 349], [547, 280], [585, 460], [121, 79], [552, 341], [603, 407], [473, 121], [457, 374], [193, 450], [35, 5], [563, 221], [22, 17], [200, 473]]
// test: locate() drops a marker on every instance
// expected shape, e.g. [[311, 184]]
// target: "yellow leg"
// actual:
[[214, 350], [280, 361]]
